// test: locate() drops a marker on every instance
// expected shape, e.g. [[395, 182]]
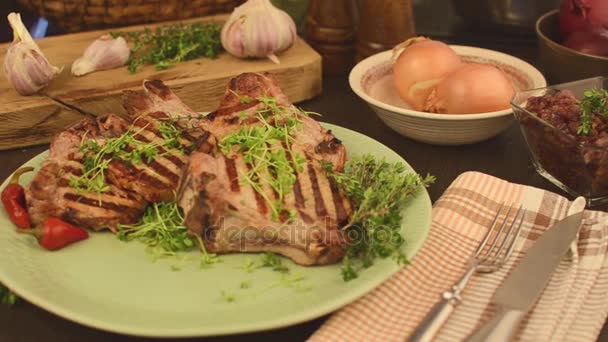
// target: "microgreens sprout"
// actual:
[[267, 149], [594, 102], [96, 156], [163, 231]]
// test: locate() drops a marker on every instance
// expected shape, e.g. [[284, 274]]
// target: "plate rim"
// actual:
[[276, 323]]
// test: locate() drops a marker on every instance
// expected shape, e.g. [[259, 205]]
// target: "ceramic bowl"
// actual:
[[562, 64], [372, 80]]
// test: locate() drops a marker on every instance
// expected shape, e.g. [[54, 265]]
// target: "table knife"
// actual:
[[68, 105], [526, 282]]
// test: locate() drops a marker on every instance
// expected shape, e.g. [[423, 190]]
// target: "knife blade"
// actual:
[[523, 286], [68, 105]]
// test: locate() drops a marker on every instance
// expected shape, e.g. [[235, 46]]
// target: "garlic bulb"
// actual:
[[25, 66], [103, 54], [258, 29]]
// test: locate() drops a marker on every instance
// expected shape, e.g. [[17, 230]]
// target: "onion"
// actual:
[[584, 15], [422, 64], [587, 42], [474, 88]]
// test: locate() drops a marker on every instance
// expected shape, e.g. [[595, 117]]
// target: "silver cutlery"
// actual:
[[526, 282], [482, 261]]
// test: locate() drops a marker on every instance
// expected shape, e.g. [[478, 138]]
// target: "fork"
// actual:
[[482, 261]]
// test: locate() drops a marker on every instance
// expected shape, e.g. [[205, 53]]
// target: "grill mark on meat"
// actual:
[[150, 125], [104, 204], [330, 146], [158, 168], [202, 144], [72, 170], [319, 203], [211, 116], [147, 125], [297, 190], [250, 120], [259, 200], [338, 204], [171, 157], [159, 88], [164, 171], [159, 115], [141, 175], [272, 171], [232, 175], [232, 121], [36, 187], [297, 187], [305, 217], [283, 216], [232, 109]]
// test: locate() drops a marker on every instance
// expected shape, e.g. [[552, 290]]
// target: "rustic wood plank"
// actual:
[[30, 120]]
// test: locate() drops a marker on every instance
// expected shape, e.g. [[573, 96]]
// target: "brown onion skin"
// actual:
[[474, 88], [426, 60]]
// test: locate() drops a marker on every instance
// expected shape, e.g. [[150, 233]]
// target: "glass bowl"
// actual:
[[580, 170]]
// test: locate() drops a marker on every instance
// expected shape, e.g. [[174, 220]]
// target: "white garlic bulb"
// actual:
[[25, 66], [258, 29], [103, 54]]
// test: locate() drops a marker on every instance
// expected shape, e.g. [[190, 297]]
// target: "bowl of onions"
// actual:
[[443, 94], [573, 41]]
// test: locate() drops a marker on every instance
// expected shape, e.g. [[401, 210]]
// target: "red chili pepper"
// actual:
[[56, 233], [13, 198]]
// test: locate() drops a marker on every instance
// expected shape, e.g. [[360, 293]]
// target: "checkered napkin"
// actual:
[[573, 306]]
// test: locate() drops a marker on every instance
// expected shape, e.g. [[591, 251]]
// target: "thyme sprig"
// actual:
[[594, 102], [167, 45], [378, 190]]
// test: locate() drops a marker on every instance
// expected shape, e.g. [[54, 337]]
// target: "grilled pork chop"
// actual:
[[49, 193], [234, 112], [232, 216], [149, 110], [132, 185]]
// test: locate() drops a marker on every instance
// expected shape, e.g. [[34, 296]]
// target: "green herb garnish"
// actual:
[[594, 102], [268, 259], [273, 261], [378, 190], [162, 228], [267, 148], [7, 297], [165, 46], [295, 282], [163, 231], [126, 147]]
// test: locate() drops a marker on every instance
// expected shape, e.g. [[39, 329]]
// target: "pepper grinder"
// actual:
[[385, 24], [330, 30]]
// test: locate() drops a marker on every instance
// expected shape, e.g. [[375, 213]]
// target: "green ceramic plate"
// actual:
[[113, 285]]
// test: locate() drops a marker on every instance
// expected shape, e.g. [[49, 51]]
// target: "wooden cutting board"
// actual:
[[200, 83]]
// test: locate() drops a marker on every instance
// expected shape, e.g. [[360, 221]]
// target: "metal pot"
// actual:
[[521, 14]]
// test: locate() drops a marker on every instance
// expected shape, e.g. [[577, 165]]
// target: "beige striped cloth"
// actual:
[[573, 307]]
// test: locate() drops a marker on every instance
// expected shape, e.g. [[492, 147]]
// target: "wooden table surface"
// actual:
[[504, 156]]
